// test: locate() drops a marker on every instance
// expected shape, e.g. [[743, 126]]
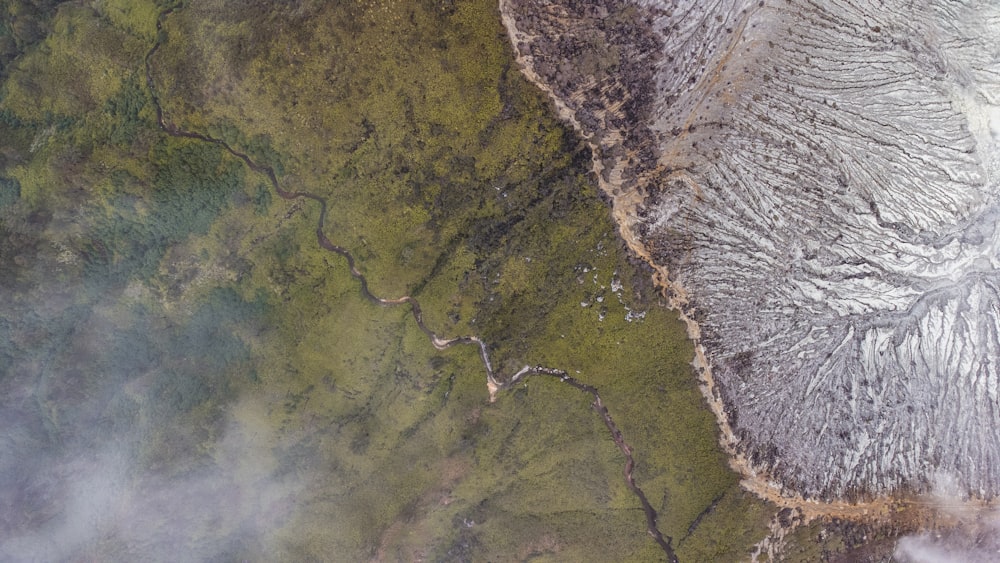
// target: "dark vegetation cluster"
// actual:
[[23, 23]]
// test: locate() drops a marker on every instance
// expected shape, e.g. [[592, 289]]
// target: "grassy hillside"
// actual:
[[171, 322]]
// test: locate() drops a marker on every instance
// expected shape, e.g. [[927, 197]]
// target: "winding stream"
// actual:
[[494, 384]]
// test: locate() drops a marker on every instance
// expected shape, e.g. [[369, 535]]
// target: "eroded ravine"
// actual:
[[624, 204], [495, 383], [629, 163]]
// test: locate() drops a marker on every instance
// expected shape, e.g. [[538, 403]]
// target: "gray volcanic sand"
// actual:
[[821, 179]]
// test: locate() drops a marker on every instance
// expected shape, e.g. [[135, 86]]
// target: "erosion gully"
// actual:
[[494, 384]]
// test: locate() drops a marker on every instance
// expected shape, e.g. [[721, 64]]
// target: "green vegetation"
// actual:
[[23, 23], [155, 289]]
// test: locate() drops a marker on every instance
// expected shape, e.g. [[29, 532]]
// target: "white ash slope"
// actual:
[[821, 179]]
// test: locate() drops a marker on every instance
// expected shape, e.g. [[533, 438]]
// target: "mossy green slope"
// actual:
[[222, 319]]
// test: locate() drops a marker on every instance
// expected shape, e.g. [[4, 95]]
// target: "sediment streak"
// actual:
[[816, 184]]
